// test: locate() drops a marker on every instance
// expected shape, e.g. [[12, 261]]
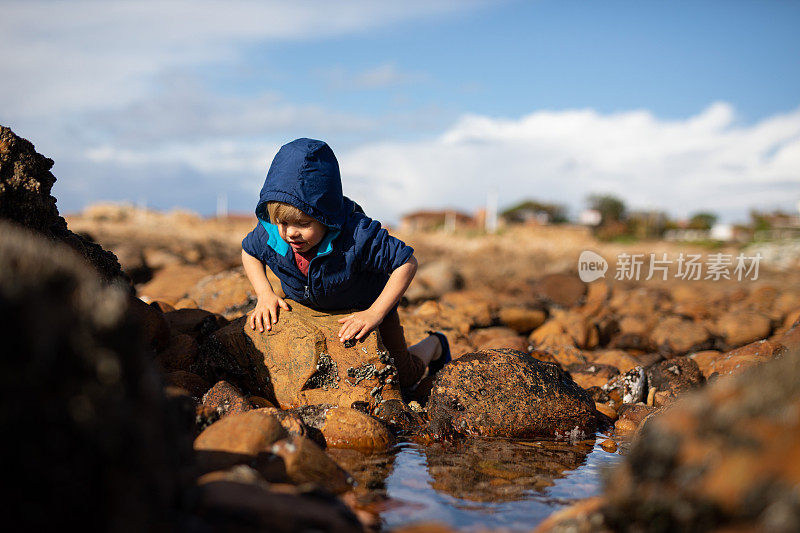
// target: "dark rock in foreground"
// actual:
[[25, 184], [93, 444], [506, 393]]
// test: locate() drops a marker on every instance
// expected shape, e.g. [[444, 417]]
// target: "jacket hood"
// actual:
[[305, 174]]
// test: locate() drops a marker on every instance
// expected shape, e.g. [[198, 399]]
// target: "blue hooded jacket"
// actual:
[[356, 256]]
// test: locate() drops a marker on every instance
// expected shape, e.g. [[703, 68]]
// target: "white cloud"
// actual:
[[382, 76], [707, 161], [90, 54]]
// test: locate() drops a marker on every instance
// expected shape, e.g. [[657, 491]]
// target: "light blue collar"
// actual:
[[281, 247]]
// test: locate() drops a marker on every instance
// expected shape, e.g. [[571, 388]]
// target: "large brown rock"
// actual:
[[97, 446], [676, 376], [25, 199], [433, 280], [521, 319], [172, 283], [505, 393], [726, 457], [300, 361]]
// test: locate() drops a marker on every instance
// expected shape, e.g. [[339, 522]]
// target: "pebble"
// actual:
[[609, 445]]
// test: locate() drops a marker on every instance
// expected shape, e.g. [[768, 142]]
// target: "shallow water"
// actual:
[[477, 483]]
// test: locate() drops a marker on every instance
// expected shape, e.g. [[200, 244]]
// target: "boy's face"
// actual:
[[302, 234]]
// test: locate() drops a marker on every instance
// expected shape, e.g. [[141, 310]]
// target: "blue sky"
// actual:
[[679, 106]]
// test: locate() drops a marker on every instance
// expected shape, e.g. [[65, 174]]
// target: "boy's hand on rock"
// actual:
[[266, 312], [358, 325]]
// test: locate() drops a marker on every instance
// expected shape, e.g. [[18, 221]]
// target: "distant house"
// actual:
[[448, 220]]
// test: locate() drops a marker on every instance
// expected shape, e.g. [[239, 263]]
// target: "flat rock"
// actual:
[[505, 393], [227, 293], [592, 374], [619, 359], [740, 359], [172, 283], [306, 462], [344, 427]]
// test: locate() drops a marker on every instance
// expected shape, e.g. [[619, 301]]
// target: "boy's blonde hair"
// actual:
[[283, 212]]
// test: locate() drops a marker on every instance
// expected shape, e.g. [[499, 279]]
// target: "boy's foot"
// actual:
[[437, 364]]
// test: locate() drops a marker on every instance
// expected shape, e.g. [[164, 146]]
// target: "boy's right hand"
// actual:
[[266, 312]]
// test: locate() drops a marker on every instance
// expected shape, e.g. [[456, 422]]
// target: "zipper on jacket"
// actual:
[[306, 294]]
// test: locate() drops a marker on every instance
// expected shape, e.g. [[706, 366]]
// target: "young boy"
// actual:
[[329, 255]]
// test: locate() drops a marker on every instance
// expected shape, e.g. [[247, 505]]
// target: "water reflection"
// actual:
[[477, 483]]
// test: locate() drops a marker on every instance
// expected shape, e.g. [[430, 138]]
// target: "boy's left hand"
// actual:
[[358, 325]]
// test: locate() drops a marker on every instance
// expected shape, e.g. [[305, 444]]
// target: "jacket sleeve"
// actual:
[[379, 251], [255, 242]]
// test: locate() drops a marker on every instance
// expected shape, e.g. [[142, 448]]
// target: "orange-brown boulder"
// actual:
[[241, 438], [511, 342], [300, 361], [193, 383], [344, 427]]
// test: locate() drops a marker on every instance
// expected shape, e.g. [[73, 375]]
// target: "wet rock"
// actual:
[[632, 385], [560, 290], [228, 293], [25, 199], [742, 327], [592, 374], [398, 416], [180, 354], [99, 447], [704, 360], [521, 319], [307, 463], [718, 459], [606, 410], [300, 361], [609, 445], [344, 427], [676, 376], [226, 399], [510, 394], [242, 438], [631, 416], [677, 336]]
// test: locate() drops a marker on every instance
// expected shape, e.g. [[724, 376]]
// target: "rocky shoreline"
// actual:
[[148, 404]]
